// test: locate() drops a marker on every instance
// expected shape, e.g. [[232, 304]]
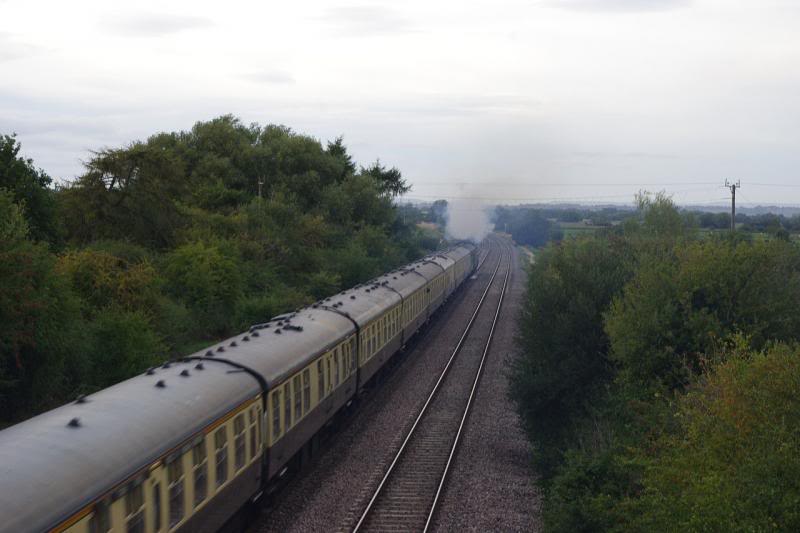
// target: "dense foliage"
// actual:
[[526, 225], [166, 244], [659, 378]]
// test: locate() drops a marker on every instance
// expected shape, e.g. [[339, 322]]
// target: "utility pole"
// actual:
[[733, 187]]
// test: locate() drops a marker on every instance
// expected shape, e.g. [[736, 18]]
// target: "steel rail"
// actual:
[[433, 392], [472, 392]]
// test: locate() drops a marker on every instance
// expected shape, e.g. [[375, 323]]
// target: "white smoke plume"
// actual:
[[468, 220]]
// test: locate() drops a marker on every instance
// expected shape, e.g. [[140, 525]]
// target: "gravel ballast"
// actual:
[[327, 495], [491, 486]]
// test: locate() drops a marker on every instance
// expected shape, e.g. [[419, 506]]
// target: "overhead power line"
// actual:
[[496, 199], [562, 184]]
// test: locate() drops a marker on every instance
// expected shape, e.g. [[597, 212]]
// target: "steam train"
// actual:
[[184, 446]]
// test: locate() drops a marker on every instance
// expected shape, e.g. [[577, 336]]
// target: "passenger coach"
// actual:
[[183, 446]]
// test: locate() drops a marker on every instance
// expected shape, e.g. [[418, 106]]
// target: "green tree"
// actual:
[[30, 188], [564, 364], [390, 181], [733, 464], [39, 341], [672, 312], [207, 278], [128, 193]]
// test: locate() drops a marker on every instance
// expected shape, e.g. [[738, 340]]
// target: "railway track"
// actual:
[[407, 496]]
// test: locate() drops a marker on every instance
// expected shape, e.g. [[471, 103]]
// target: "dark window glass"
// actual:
[[221, 445], [306, 390], [156, 507], [298, 395], [175, 478], [276, 415], [258, 424], [100, 522], [200, 468], [320, 380], [287, 406], [238, 441], [252, 441]]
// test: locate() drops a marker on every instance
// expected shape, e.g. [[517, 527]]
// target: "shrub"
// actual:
[[734, 464], [206, 278]]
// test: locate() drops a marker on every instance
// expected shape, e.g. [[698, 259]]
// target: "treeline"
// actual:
[[659, 378], [779, 225], [163, 245], [527, 225]]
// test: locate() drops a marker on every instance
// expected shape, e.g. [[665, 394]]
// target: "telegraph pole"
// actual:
[[733, 187]]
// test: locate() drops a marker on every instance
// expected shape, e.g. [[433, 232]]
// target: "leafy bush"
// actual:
[[207, 279], [104, 280], [734, 463], [616, 328], [123, 344], [562, 339]]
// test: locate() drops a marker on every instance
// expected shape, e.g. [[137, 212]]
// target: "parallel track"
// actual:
[[407, 496]]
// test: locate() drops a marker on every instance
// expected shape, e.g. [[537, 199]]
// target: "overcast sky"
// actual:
[[552, 100]]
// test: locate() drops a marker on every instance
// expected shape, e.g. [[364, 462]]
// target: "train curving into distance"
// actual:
[[185, 445]]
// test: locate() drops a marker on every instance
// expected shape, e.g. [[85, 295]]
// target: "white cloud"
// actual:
[[154, 24], [619, 6], [561, 98], [11, 48]]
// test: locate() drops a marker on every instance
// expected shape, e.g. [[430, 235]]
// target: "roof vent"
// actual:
[[278, 331], [209, 353], [246, 338], [233, 344], [166, 365], [185, 373], [160, 384], [150, 371], [221, 349], [368, 290], [81, 398], [74, 423], [256, 334], [199, 366], [352, 296]]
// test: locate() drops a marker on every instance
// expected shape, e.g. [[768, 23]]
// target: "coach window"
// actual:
[[200, 471], [134, 509], [320, 380], [298, 399], [287, 406], [221, 455], [252, 415], [238, 441], [340, 362], [175, 479], [156, 507], [276, 415], [306, 390], [100, 522], [330, 372]]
